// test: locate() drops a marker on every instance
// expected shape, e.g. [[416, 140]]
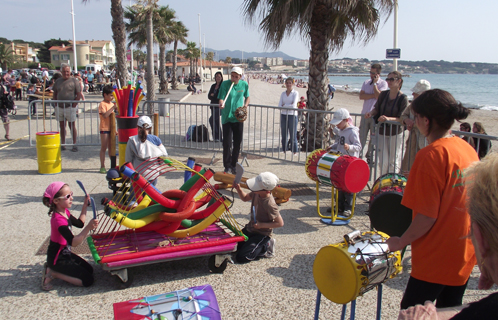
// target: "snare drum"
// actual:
[[386, 213], [346, 270], [344, 172]]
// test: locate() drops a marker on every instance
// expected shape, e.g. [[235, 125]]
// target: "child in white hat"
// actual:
[[348, 143], [265, 216]]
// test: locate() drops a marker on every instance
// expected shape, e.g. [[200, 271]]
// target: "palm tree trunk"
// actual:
[[119, 36], [163, 86], [211, 68], [317, 92], [151, 95], [174, 85]]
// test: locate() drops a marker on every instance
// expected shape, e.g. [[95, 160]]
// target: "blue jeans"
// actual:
[[288, 125]]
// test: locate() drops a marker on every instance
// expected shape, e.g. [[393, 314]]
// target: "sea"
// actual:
[[474, 91]]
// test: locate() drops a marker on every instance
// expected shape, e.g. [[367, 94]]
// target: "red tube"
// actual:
[[178, 216], [200, 245], [195, 188], [206, 212]]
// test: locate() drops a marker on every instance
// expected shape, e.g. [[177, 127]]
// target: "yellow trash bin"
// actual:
[[48, 151]]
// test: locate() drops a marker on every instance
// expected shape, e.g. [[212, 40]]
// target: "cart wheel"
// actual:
[[120, 284], [212, 265]]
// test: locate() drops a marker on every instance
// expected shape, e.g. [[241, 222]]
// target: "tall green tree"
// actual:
[[6, 56], [326, 24], [228, 60], [180, 33], [145, 11], [119, 36], [210, 57], [190, 53], [164, 36]]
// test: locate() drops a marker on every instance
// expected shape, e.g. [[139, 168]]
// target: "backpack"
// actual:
[[190, 133], [6, 100], [34, 79], [200, 134]]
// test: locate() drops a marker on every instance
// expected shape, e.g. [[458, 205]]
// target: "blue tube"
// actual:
[[190, 164], [130, 105]]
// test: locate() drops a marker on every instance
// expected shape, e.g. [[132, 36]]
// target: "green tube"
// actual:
[[93, 250], [149, 210], [190, 182], [190, 223]]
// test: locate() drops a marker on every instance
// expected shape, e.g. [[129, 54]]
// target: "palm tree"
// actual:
[[326, 25], [119, 36], [164, 36], [190, 54], [180, 33], [210, 57], [6, 56], [228, 60], [147, 9]]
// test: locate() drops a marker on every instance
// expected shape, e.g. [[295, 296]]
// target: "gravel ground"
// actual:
[[278, 288]]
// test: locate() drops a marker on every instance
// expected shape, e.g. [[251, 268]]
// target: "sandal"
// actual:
[[7, 137], [48, 286], [63, 148], [74, 149]]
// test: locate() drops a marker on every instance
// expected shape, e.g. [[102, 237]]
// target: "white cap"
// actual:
[[421, 86], [264, 181], [339, 115], [237, 70], [144, 122]]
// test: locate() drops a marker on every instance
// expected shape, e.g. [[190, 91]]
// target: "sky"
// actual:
[[451, 30]]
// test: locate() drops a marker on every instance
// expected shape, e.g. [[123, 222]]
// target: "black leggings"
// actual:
[[253, 248], [418, 291], [75, 267]]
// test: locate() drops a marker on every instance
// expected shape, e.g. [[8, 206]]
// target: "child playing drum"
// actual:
[[348, 143], [265, 216]]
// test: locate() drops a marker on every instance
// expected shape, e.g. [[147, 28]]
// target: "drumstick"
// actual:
[[223, 104]]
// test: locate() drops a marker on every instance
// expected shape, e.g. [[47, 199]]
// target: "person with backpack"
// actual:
[[4, 114]]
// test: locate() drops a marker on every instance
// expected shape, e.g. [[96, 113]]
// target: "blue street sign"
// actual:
[[393, 53]]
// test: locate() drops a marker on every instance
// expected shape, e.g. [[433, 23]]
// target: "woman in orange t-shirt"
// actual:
[[442, 253]]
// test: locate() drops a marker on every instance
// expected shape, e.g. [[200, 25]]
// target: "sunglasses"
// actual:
[[391, 79], [374, 73], [67, 196]]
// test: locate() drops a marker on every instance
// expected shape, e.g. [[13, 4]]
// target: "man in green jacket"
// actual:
[[233, 129]]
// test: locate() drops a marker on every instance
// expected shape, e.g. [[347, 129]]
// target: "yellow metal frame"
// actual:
[[335, 210]]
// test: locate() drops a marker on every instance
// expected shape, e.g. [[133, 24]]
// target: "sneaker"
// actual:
[[270, 252], [346, 213], [102, 170]]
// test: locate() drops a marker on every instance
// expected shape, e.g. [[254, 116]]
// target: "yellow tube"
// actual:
[[116, 100], [202, 225], [134, 224], [142, 205]]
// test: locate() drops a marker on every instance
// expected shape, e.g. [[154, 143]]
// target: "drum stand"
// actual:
[[333, 219], [353, 305]]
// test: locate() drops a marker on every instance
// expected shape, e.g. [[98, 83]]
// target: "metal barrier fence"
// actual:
[[263, 132], [87, 121]]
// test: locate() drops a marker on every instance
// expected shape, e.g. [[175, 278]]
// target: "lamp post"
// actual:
[[395, 46], [200, 53], [74, 40]]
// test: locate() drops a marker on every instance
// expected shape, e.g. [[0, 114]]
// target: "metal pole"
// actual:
[[74, 40], [200, 52], [203, 61], [395, 61]]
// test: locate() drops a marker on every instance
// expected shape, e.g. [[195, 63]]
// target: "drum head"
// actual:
[[357, 176], [336, 275], [388, 215]]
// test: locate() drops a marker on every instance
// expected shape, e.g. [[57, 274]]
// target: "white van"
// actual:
[[93, 67]]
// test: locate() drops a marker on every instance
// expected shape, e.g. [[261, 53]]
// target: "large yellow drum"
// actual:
[[347, 270], [48, 152]]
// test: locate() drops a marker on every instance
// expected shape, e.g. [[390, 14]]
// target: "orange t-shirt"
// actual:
[[105, 123], [18, 85], [445, 254]]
